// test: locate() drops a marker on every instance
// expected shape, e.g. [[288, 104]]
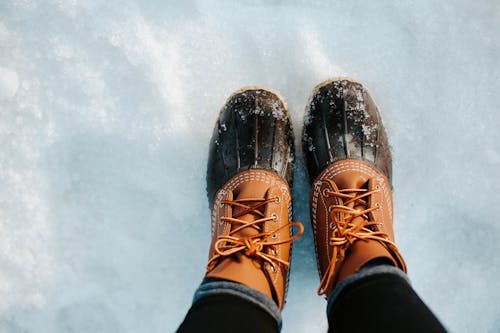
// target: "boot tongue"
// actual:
[[362, 251], [350, 179], [255, 190], [240, 268], [353, 180]]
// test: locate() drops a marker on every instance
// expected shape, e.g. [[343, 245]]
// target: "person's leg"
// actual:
[[224, 306], [248, 182], [379, 297], [227, 314], [350, 165]]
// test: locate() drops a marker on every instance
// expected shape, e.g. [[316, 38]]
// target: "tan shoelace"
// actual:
[[345, 231], [255, 245]]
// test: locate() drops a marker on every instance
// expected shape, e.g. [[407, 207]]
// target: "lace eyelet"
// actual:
[[332, 226], [273, 269], [330, 209], [377, 205], [274, 236], [325, 194], [275, 217], [278, 200], [377, 187]]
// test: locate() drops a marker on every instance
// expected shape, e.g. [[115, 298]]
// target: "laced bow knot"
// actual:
[[347, 228], [252, 247], [255, 245], [227, 245]]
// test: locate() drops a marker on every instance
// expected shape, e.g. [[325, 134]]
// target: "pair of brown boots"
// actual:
[[250, 175]]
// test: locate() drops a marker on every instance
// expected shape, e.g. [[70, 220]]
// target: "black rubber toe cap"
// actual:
[[343, 122], [253, 131]]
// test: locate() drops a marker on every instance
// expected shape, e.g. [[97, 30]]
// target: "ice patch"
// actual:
[[63, 51], [359, 96], [493, 156], [369, 129], [319, 62], [243, 115], [4, 33], [9, 83], [278, 111], [258, 110], [308, 117], [309, 142]]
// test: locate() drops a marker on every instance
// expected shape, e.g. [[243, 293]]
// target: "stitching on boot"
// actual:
[[243, 177], [335, 169]]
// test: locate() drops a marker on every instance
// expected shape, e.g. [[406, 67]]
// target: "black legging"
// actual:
[[381, 303]]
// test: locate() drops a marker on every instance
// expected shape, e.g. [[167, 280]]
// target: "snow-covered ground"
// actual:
[[107, 106]]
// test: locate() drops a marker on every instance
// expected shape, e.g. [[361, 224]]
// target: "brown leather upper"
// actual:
[[251, 232], [351, 213]]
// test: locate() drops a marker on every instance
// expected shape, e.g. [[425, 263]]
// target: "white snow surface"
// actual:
[[107, 108]]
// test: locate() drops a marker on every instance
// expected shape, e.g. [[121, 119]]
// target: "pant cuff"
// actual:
[[364, 273], [219, 287]]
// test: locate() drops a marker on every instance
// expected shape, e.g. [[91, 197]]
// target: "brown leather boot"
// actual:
[[248, 183], [349, 164]]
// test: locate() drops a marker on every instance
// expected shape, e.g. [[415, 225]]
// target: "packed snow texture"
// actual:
[[107, 107]]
